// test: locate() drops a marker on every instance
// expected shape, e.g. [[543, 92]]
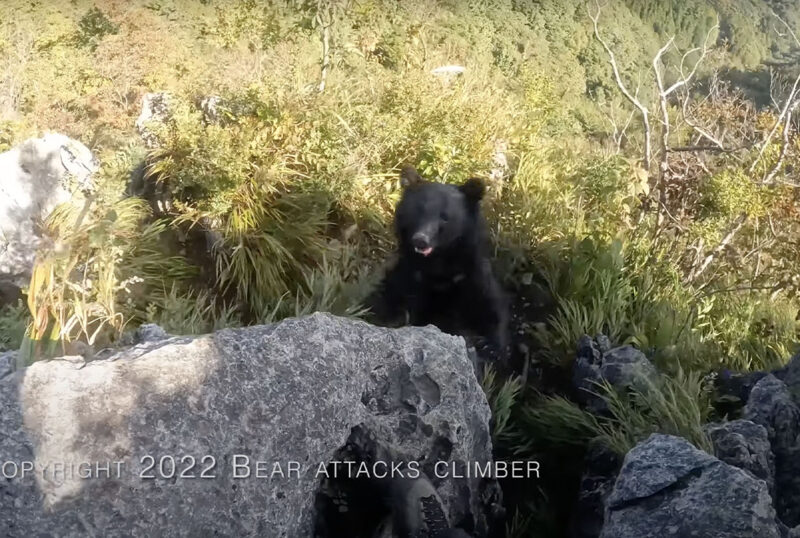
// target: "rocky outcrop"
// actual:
[[34, 178], [151, 421], [790, 375], [744, 444], [667, 487], [622, 367], [750, 487], [772, 406], [156, 109]]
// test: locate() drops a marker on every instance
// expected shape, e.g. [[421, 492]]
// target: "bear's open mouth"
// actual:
[[424, 251]]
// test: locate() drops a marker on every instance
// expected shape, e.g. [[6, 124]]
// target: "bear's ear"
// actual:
[[409, 176], [474, 189]]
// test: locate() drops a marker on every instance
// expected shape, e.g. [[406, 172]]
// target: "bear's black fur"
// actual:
[[443, 275]]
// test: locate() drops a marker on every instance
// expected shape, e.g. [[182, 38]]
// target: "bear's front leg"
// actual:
[[489, 319]]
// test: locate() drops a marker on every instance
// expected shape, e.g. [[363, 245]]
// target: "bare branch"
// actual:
[[713, 149], [634, 100], [736, 225], [703, 132], [789, 101], [787, 126]]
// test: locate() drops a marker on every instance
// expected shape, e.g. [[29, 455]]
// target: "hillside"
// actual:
[[267, 188]]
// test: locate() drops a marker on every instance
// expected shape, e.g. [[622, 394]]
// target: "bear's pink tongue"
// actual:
[[425, 251]]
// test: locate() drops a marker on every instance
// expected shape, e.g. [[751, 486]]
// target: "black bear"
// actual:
[[443, 275]]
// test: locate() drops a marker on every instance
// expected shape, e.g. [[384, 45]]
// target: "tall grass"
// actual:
[[677, 405]]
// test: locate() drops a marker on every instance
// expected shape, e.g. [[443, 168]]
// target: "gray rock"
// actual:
[[771, 405], [667, 487], [622, 367], [309, 390], [211, 107], [744, 444], [156, 109], [150, 332], [790, 375], [8, 363], [35, 177]]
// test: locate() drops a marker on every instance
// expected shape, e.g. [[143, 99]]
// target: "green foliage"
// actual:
[[732, 192], [555, 421], [339, 286], [14, 320], [676, 405], [502, 397], [189, 313], [94, 26], [679, 405], [295, 187], [634, 293]]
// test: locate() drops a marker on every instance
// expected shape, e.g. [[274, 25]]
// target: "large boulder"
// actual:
[[667, 487], [35, 177], [288, 399], [771, 405]]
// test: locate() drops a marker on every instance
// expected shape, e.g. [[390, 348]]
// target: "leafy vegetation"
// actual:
[[279, 202]]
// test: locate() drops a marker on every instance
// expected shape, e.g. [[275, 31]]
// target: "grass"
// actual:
[[284, 206], [677, 405]]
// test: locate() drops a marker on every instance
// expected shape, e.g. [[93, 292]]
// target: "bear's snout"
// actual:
[[421, 242]]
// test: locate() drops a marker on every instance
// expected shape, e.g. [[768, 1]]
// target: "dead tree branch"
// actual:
[[734, 228], [786, 107], [633, 99]]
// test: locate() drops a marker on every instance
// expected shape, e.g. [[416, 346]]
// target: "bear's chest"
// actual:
[[442, 282]]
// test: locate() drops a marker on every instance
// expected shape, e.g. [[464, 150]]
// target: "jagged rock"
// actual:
[[790, 375], [150, 332], [623, 367], [744, 444], [448, 74], [600, 471], [211, 108], [156, 109], [771, 405], [35, 177], [667, 487], [306, 390]]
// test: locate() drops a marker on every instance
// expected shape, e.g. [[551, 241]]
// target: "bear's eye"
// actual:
[[443, 217]]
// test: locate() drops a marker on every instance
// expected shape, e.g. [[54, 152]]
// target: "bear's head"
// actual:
[[433, 217]]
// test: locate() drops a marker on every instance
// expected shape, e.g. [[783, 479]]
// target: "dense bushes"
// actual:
[[281, 204], [286, 178]]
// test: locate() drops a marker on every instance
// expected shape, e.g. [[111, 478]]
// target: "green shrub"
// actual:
[[14, 320], [94, 26], [676, 405]]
